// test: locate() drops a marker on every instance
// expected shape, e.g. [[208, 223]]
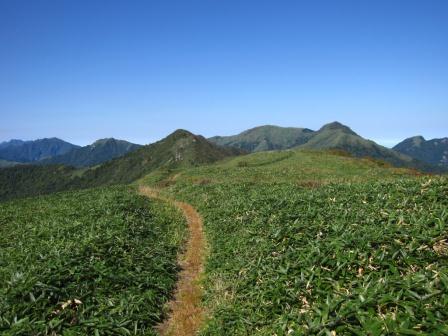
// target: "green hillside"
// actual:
[[30, 180], [93, 262], [299, 241], [317, 243], [349, 259], [297, 166], [433, 151], [180, 149], [264, 138], [30, 151], [100, 151], [338, 136], [331, 136]]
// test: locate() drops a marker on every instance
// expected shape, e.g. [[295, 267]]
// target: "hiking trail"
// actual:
[[186, 313]]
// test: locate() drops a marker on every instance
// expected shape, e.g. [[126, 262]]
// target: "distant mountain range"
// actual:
[[179, 149], [100, 151], [433, 151], [331, 136], [35, 150], [416, 152], [56, 151]]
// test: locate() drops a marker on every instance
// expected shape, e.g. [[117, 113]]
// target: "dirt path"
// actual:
[[186, 313]]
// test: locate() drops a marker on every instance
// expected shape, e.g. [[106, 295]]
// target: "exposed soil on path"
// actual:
[[186, 313]]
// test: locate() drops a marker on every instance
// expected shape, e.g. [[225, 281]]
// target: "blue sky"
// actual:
[[137, 70]]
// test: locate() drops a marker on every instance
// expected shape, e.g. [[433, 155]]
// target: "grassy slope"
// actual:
[[30, 180], [264, 138], [306, 242], [338, 136], [111, 249], [180, 149], [303, 167], [357, 146]]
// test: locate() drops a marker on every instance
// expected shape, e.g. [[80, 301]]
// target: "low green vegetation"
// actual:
[[30, 180], [300, 242], [298, 167], [321, 244], [93, 262]]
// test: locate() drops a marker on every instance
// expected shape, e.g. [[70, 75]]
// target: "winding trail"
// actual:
[[186, 313]]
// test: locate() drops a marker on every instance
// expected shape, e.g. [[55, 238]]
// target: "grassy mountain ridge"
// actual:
[[330, 136], [434, 151], [100, 151], [300, 242], [308, 242], [34, 150], [338, 136], [265, 138], [304, 167], [179, 149], [356, 259]]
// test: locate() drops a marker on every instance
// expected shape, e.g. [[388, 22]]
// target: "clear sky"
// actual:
[[137, 70]]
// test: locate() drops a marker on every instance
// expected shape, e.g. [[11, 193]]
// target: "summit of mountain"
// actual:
[[434, 151], [98, 152], [34, 150]]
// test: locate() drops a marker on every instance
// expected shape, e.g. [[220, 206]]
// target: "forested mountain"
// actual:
[[100, 151], [433, 151], [34, 150]]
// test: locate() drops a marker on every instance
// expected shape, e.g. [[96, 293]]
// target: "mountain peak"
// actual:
[[12, 142], [265, 137], [33, 150], [336, 125], [429, 151], [417, 139], [100, 151], [102, 141], [181, 133]]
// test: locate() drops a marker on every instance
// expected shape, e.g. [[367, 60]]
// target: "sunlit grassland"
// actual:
[[304, 167], [99, 261], [316, 243]]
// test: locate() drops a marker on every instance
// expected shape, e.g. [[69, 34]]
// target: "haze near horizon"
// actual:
[[138, 70]]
